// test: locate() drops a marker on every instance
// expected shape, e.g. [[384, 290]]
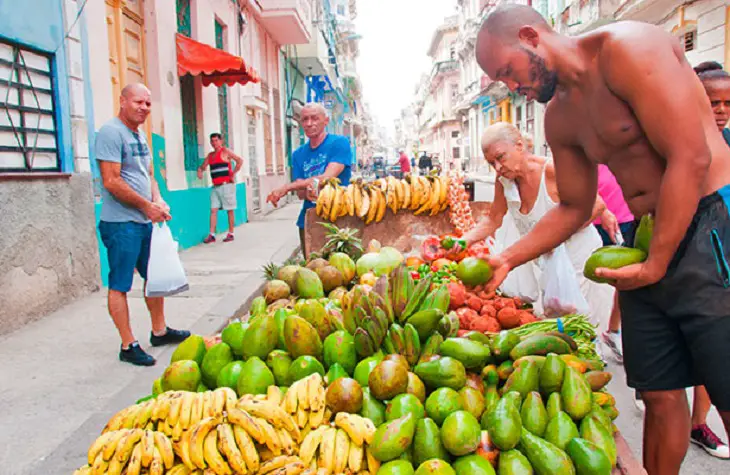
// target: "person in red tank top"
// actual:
[[224, 165]]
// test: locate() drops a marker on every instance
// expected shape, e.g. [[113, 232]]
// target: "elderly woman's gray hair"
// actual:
[[501, 132]]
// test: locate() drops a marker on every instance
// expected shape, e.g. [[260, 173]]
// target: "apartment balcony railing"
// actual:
[[443, 67], [288, 21]]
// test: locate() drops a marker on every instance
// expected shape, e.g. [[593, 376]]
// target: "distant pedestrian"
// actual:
[[424, 163], [223, 195], [131, 203], [405, 164]]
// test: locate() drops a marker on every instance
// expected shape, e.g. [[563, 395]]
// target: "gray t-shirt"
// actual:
[[116, 143]]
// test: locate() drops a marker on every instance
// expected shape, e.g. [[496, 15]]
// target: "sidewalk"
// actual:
[[62, 379]]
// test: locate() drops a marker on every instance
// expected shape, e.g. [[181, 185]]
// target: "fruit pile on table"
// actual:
[[376, 377]]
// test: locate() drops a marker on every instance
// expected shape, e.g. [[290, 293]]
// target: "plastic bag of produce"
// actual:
[[561, 291], [165, 273], [521, 282]]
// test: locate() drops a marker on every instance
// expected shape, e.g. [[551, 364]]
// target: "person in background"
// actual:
[[424, 163], [405, 164], [131, 203], [323, 156], [223, 195]]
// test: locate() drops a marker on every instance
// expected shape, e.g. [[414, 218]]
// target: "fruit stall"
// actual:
[[361, 360]]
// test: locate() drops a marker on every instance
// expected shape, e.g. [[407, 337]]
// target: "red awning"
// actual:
[[214, 65]]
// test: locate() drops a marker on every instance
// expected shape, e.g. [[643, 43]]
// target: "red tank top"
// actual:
[[220, 171]]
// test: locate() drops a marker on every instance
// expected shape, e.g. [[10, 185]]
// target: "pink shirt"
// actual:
[[610, 191]]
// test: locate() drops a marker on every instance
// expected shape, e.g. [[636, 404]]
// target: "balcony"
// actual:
[[443, 67], [289, 22], [313, 57]]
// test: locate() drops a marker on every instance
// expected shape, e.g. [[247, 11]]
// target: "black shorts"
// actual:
[[628, 230], [676, 333]]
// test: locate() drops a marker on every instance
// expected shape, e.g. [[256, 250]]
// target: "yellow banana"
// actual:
[[157, 466], [271, 436], [183, 450], [415, 192], [327, 449], [186, 409], [135, 461], [242, 418], [290, 399], [302, 395], [227, 445], [286, 441], [274, 395], [316, 418], [197, 440], [314, 395], [342, 450], [406, 187], [206, 404], [354, 457], [115, 467], [373, 210], [381, 208], [319, 204], [144, 414], [325, 196], [85, 470], [126, 444], [100, 466], [177, 431], [148, 448], [310, 444], [357, 198], [213, 457], [336, 203], [353, 426], [444, 189], [365, 206], [373, 463], [179, 469], [101, 442], [351, 200], [247, 448], [435, 194], [164, 445], [175, 408], [196, 410], [270, 412], [277, 463]]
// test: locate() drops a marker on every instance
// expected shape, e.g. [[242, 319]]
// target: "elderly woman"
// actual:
[[526, 189]]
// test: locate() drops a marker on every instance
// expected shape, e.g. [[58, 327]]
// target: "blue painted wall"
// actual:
[[39, 25], [190, 209]]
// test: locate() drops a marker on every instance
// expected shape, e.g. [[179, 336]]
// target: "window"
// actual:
[[690, 40], [28, 136], [518, 117], [456, 152], [454, 134], [530, 117]]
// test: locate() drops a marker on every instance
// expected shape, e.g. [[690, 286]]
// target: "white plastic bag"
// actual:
[[165, 273], [521, 282], [561, 291]]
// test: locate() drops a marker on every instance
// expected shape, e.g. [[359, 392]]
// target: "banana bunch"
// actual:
[[304, 401], [340, 448], [367, 315], [368, 201], [130, 450], [173, 412], [403, 340]]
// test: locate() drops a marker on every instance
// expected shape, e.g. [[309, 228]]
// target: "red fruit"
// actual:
[[485, 325], [488, 310], [431, 249], [415, 275], [457, 295], [475, 303], [508, 317], [527, 317], [493, 325], [461, 333]]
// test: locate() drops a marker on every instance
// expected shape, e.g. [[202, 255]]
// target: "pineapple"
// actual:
[[341, 240], [270, 270]]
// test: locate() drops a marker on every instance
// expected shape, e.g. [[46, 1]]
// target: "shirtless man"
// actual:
[[624, 95]]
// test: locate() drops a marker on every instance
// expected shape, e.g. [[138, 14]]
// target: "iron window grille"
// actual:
[[28, 131]]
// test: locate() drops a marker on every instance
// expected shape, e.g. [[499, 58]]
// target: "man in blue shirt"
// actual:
[[324, 156]]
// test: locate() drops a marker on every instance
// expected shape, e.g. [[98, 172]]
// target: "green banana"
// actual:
[[382, 297], [414, 302], [438, 298], [398, 337], [401, 289], [426, 321], [373, 330], [363, 344], [382, 320], [431, 347], [413, 344], [360, 315], [444, 327], [388, 345]]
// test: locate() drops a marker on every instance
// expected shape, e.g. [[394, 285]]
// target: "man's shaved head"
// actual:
[[510, 49], [134, 104], [134, 89]]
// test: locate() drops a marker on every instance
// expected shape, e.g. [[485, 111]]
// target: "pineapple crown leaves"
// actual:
[[270, 270], [341, 240]]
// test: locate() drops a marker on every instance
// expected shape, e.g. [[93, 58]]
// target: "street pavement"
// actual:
[[630, 423], [62, 379]]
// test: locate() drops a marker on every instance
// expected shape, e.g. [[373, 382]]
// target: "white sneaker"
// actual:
[[704, 437], [613, 341], [639, 402]]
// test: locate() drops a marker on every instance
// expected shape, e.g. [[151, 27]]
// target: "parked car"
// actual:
[[378, 166]]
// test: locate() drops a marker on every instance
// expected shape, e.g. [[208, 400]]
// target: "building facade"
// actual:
[[48, 251]]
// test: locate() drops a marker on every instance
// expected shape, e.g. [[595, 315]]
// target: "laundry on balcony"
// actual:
[[215, 66]]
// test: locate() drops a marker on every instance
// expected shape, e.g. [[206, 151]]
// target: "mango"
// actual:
[[551, 374], [598, 379], [524, 380], [588, 458], [601, 416], [472, 354], [512, 462], [533, 414], [157, 387], [491, 398], [544, 457], [396, 467], [611, 257], [388, 379], [477, 336], [372, 408], [335, 372], [435, 467], [339, 347], [183, 375], [191, 348], [344, 395], [575, 362], [540, 360], [304, 366], [427, 442], [344, 264], [301, 338], [416, 387], [214, 360], [490, 375], [515, 398], [540, 344], [503, 343], [364, 368], [576, 394], [554, 405], [261, 337], [560, 430], [472, 465], [280, 317], [228, 377], [426, 322], [644, 233], [473, 401], [461, 433], [443, 372], [441, 403], [403, 404], [393, 438], [314, 313], [307, 284], [256, 379], [279, 362], [258, 306], [592, 430], [505, 370], [504, 425], [232, 335]]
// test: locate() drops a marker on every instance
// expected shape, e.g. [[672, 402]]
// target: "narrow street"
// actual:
[[62, 379]]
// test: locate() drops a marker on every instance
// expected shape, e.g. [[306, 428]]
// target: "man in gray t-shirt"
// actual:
[[131, 203]]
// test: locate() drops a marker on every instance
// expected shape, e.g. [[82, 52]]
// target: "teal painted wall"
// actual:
[[190, 209]]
